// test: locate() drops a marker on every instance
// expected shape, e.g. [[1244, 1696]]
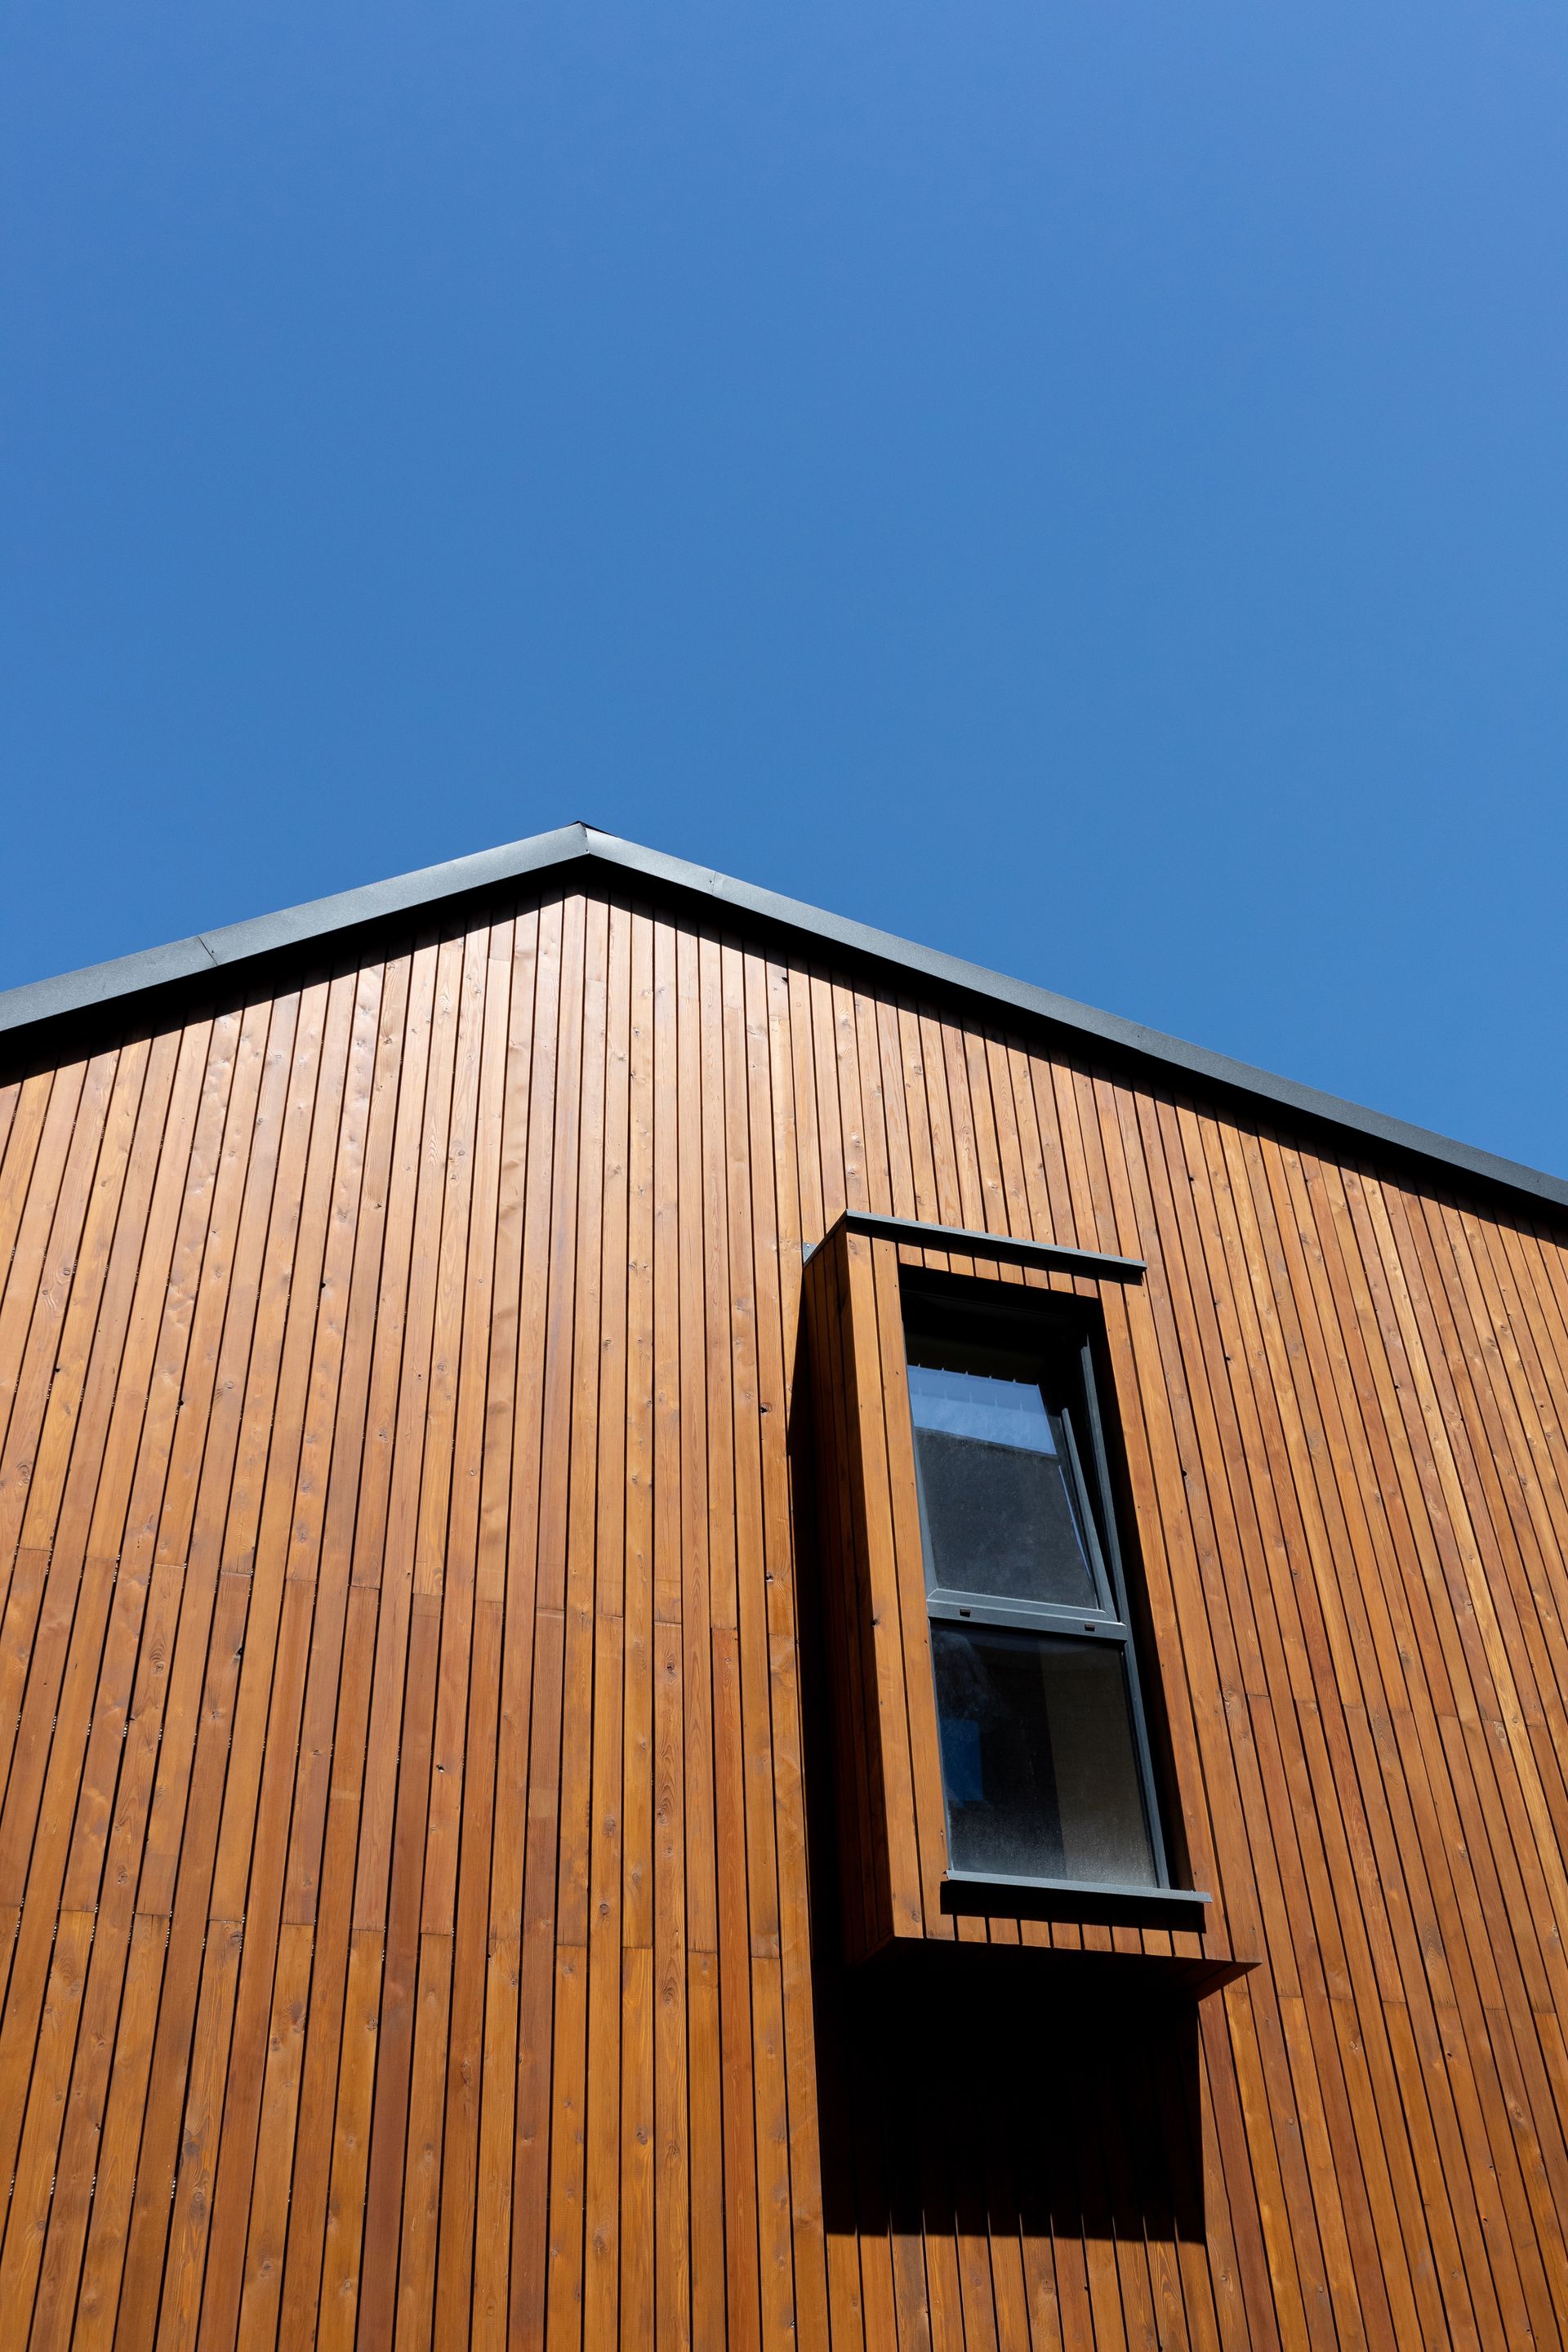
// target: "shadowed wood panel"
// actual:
[[421, 1904]]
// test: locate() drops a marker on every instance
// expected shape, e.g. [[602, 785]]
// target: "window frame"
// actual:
[[1061, 1321], [896, 1888]]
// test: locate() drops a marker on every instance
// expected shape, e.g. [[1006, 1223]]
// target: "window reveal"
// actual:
[[1044, 1755]]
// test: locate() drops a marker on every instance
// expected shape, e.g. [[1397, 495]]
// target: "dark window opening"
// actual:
[[1046, 1762]]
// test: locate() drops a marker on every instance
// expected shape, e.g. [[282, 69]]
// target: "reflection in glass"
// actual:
[[996, 1482], [1037, 1757]]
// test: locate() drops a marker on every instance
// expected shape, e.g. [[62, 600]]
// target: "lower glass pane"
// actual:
[[1037, 1757]]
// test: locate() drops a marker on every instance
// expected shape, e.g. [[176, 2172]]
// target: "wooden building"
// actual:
[[715, 1634]]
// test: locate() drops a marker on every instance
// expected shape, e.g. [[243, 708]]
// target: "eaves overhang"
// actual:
[[131, 989]]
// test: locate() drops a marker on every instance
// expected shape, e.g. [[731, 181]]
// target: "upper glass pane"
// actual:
[[1002, 1517]]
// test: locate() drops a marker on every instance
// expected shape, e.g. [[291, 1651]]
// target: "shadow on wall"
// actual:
[[988, 2089]]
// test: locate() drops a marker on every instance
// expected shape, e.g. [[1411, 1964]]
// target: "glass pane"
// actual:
[[1037, 1757], [1000, 1513]]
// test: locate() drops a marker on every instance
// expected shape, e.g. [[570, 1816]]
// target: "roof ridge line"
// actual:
[[79, 992]]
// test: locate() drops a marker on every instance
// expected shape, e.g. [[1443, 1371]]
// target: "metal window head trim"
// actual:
[[965, 1241]]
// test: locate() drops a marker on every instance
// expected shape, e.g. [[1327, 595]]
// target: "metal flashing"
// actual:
[[979, 1893], [209, 953], [963, 1241]]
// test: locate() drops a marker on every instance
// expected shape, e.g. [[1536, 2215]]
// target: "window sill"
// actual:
[[972, 1894]]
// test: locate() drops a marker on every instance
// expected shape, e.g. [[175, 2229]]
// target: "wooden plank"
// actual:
[[222, 1297], [567, 1577], [258, 1246], [751, 1217], [400, 1988], [864, 1890], [180, 2306], [397, 1569], [102, 2266], [893, 1718], [331, 2323], [93, 1515], [563, 2272], [62, 2232], [84, 1425], [672, 2254], [465, 2050], [38, 2157], [493, 2230], [55, 1713], [638, 2151], [33, 2188], [778, 1224], [774, 2231], [638, 1593], [701, 1885], [339, 1975], [125, 1974], [262, 2287], [732, 1984], [461, 1225], [906, 1611], [257, 1896], [420, 2204], [600, 2097], [76, 1296], [530, 2143], [37, 1284], [25, 1131], [523, 1050], [514, 2101], [662, 1110], [194, 2013], [706, 2124], [722, 1600], [403, 1196], [330, 1673]]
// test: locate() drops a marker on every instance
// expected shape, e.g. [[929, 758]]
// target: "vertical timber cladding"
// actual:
[[411, 1717]]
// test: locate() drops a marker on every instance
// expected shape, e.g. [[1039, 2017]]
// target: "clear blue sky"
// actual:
[[1083, 483]]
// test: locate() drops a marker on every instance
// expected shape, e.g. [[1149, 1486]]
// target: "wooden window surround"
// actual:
[[899, 1889]]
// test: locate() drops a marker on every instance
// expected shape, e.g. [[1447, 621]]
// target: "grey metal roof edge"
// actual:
[[1130, 1038], [317, 918], [207, 952]]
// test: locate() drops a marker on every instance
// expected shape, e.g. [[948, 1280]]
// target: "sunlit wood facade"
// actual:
[[421, 1913]]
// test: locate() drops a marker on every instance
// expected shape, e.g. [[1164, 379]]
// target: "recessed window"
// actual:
[[1045, 1753]]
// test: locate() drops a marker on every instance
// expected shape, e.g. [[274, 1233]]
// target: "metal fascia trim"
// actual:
[[965, 1242], [1130, 1038], [317, 918], [152, 968]]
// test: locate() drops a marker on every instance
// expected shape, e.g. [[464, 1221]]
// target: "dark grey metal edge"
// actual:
[[211, 951], [971, 1894], [317, 918], [963, 1241]]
